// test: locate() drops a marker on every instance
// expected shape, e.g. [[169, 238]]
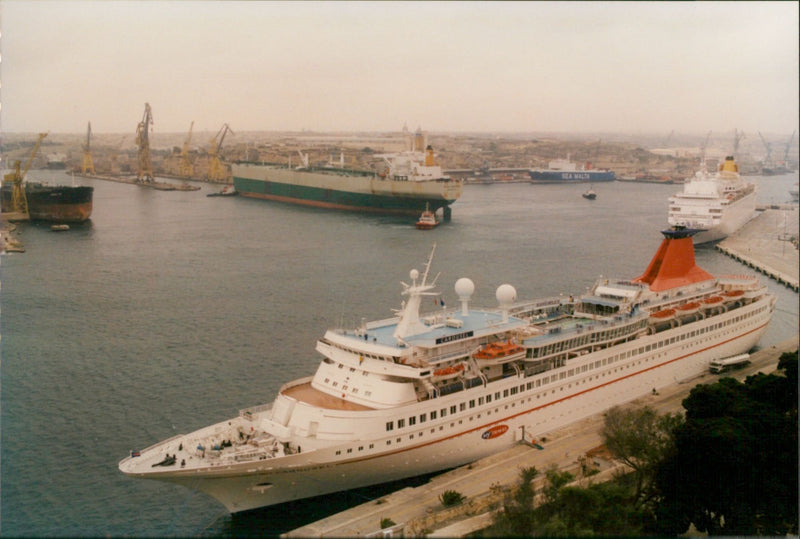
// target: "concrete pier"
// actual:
[[765, 244], [419, 512]]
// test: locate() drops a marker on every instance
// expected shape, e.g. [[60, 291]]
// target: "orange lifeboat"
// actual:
[[732, 295], [449, 372], [663, 315], [712, 301], [687, 308], [500, 352]]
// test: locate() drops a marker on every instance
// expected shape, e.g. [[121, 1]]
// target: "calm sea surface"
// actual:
[[171, 310]]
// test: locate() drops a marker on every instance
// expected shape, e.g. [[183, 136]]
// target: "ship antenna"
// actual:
[[428, 266]]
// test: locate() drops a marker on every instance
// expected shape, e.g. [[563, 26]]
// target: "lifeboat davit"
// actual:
[[663, 315], [499, 352]]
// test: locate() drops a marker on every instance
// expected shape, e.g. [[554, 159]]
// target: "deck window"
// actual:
[[401, 423], [389, 425]]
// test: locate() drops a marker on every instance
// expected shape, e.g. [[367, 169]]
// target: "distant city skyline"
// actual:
[[505, 67]]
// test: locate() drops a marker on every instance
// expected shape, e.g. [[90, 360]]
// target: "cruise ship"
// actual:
[[404, 183], [426, 391], [715, 205]]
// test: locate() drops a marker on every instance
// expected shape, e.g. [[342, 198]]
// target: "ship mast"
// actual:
[[410, 323]]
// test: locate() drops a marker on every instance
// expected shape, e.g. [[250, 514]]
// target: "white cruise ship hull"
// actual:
[[582, 389]]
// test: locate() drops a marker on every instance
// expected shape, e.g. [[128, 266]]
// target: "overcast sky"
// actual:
[[361, 66]]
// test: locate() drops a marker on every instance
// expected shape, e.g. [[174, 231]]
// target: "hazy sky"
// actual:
[[451, 66]]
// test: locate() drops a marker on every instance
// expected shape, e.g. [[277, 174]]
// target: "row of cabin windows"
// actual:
[[401, 423]]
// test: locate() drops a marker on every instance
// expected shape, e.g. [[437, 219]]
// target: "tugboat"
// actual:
[[590, 194], [427, 220]]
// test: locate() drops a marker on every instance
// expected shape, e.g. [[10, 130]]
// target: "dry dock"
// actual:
[[418, 511], [765, 244], [161, 186]]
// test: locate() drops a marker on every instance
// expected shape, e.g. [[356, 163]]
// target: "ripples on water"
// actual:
[[172, 310]]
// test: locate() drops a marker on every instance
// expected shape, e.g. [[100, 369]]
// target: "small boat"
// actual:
[[449, 372], [733, 295], [59, 228], [427, 220], [688, 308], [712, 301], [227, 191], [499, 352], [590, 194], [663, 315]]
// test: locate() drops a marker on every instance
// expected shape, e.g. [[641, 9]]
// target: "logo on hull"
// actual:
[[494, 432]]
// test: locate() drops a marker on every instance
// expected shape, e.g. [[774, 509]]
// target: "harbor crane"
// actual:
[[143, 141], [788, 147], [19, 202], [88, 164], [216, 170], [768, 158], [703, 151], [186, 166], [737, 138]]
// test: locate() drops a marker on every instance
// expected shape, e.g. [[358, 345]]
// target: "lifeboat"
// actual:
[[663, 315], [687, 308], [712, 301], [449, 372], [499, 352], [733, 295]]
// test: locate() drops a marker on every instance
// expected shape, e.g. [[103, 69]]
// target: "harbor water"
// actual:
[[169, 311]]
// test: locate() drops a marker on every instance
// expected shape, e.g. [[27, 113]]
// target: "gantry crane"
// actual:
[[87, 152], [143, 141], [19, 202], [216, 171], [186, 165]]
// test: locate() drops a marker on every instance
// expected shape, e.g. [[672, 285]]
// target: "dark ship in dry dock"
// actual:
[[54, 203]]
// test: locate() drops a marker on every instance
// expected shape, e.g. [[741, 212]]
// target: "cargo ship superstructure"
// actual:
[[405, 182], [715, 205], [418, 393], [566, 171]]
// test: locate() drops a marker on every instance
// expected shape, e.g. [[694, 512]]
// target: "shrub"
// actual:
[[449, 498]]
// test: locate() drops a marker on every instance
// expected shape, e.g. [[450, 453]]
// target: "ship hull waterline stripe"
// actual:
[[301, 468]]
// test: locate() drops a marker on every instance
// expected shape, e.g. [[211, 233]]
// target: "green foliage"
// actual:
[[517, 518], [640, 438], [734, 467], [449, 498], [599, 509], [387, 523]]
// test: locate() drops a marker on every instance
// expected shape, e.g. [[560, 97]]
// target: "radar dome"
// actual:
[[506, 294], [464, 287]]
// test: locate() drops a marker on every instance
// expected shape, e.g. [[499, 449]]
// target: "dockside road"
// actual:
[[419, 511], [765, 244]]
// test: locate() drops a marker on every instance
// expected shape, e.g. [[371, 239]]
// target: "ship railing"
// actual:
[[250, 413], [437, 360], [163, 442]]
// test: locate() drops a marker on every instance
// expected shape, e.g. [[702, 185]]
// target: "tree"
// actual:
[[734, 468], [516, 518], [640, 438]]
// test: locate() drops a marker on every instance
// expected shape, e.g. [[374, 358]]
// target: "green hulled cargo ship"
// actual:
[[405, 183]]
